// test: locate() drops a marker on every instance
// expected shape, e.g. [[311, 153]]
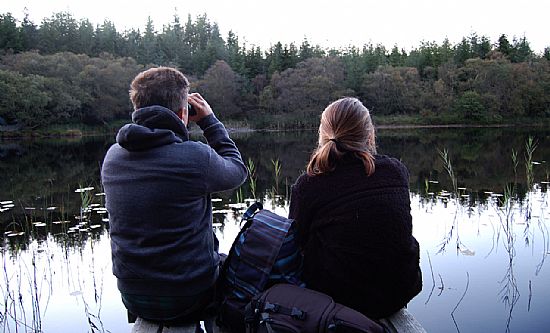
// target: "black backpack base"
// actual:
[[292, 309]]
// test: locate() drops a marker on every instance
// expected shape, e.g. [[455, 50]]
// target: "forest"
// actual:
[[66, 70]]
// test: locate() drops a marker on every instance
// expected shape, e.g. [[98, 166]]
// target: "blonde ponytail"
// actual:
[[346, 127], [321, 161]]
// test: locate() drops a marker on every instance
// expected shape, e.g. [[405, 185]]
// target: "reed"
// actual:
[[449, 168], [506, 212], [515, 163], [251, 177], [530, 147], [276, 175], [433, 278], [460, 301], [426, 186], [454, 231], [239, 194]]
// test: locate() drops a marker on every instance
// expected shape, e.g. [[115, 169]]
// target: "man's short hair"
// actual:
[[162, 86]]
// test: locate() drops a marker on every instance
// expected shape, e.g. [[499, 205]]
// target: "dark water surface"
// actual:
[[484, 246]]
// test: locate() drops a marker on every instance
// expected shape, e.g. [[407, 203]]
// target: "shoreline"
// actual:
[[412, 126], [75, 133]]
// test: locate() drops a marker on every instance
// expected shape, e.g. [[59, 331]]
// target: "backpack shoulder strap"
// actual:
[[265, 234], [263, 242]]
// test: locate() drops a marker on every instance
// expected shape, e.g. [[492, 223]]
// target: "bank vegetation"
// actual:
[[70, 71]]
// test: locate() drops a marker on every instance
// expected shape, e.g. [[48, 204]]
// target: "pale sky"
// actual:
[[327, 23]]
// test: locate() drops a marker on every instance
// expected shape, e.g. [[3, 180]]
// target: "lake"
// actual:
[[484, 241]]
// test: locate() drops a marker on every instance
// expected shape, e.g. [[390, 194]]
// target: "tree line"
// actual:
[[66, 70]]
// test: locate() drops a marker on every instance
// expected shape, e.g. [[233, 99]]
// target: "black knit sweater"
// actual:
[[356, 235]]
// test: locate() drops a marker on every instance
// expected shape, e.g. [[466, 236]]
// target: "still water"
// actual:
[[484, 241]]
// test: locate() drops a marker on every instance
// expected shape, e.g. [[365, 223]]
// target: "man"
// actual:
[[157, 191]]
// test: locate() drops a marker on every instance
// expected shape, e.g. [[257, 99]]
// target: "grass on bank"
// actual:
[[278, 122], [64, 130]]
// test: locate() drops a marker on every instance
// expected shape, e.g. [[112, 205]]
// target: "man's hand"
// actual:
[[200, 105]]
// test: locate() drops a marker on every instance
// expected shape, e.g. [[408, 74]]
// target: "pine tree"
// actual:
[[29, 33], [504, 45], [235, 55], [10, 37], [107, 38], [86, 37], [148, 49], [305, 51], [520, 50], [275, 58]]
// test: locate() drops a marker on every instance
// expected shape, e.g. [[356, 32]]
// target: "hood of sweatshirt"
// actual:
[[152, 126]]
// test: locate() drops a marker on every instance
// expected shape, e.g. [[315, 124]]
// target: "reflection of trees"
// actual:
[[481, 156], [42, 178], [35, 169], [505, 207], [511, 211], [291, 149], [46, 173]]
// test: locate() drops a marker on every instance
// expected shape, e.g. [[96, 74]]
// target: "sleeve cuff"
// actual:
[[207, 121]]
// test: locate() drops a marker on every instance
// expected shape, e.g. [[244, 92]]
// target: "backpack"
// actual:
[[293, 309], [264, 253]]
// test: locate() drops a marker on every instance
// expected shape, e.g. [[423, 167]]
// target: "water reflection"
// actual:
[[484, 240]]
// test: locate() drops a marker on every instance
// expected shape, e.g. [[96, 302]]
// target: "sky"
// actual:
[[326, 23]]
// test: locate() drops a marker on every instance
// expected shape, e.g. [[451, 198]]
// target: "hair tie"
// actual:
[[338, 145]]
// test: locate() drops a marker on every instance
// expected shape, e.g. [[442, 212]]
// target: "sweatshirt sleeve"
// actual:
[[225, 169]]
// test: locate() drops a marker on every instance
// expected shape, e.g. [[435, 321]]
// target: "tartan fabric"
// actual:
[[264, 254], [168, 309]]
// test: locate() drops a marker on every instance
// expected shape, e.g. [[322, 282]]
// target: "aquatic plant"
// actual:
[[530, 147], [449, 168], [86, 198], [441, 288], [277, 175], [509, 292], [460, 247], [426, 186], [515, 163], [251, 176], [239, 194], [460, 300]]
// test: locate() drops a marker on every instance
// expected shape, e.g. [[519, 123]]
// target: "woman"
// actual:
[[352, 211]]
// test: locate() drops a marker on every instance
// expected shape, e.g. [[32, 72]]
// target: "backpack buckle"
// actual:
[[298, 314], [251, 211], [270, 307]]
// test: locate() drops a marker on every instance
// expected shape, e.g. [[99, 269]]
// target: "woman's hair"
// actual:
[[162, 86], [346, 127]]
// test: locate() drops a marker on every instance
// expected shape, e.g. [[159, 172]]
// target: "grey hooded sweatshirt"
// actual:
[[157, 191]]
